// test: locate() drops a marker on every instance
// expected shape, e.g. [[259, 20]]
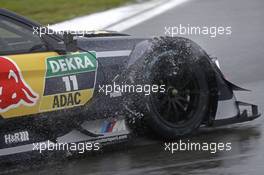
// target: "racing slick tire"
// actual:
[[177, 65]]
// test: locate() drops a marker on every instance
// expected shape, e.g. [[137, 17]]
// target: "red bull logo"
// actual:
[[14, 91]]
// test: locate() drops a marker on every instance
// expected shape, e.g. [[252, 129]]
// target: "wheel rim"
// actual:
[[177, 105]]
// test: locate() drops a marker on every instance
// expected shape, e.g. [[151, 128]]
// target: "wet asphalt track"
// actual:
[[241, 57]]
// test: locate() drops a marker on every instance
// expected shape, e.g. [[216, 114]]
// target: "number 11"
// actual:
[[67, 80]]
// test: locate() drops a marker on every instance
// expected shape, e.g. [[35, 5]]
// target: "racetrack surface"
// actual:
[[241, 59]]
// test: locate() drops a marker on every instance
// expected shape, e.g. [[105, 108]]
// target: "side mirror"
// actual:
[[70, 42]]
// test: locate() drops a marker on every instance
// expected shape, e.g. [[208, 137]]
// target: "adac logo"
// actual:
[[14, 91]]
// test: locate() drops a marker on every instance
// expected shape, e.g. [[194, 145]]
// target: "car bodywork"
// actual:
[[46, 94]]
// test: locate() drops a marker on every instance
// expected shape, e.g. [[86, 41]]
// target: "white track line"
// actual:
[[119, 19], [131, 22]]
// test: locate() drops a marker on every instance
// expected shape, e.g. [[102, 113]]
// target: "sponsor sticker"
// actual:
[[14, 90], [69, 81], [17, 137]]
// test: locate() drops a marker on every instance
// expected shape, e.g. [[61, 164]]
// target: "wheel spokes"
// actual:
[[180, 105], [175, 103], [176, 112]]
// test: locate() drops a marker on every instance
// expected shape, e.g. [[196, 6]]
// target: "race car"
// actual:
[[103, 87]]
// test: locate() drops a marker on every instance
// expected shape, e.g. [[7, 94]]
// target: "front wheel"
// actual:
[[182, 107], [177, 65]]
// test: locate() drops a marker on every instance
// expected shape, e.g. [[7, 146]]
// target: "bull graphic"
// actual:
[[14, 91]]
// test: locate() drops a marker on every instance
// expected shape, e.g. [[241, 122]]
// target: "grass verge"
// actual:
[[53, 11]]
